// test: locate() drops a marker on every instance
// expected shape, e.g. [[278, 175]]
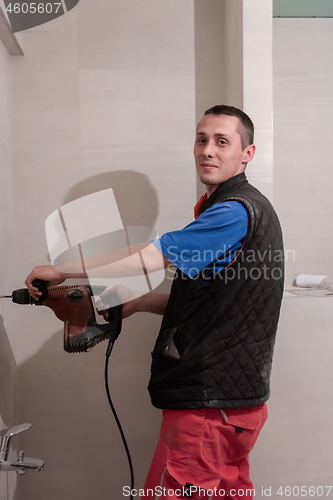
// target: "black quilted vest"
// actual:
[[215, 346]]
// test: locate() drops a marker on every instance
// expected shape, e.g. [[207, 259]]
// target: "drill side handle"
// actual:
[[41, 285]]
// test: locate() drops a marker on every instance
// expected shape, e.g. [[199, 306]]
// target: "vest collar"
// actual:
[[224, 187]]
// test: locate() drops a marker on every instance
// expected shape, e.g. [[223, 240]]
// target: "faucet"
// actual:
[[18, 463]]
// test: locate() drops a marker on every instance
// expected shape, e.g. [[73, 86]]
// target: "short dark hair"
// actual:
[[246, 128]]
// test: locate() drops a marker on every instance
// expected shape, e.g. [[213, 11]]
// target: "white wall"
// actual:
[[303, 128], [294, 449], [8, 347], [104, 97], [257, 88], [109, 97], [295, 445], [233, 55], [210, 74]]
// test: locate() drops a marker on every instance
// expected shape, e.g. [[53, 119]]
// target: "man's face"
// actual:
[[218, 150]]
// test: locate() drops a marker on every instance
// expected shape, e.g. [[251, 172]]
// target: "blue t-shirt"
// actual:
[[212, 240]]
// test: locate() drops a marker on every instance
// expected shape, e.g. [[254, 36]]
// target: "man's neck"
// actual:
[[210, 188]]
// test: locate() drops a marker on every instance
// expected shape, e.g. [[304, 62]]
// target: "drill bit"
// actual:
[[6, 296]]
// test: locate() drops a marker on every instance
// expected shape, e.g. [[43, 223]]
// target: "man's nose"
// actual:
[[208, 149]]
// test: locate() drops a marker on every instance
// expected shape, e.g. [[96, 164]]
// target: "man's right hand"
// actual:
[[132, 301], [128, 299], [46, 273]]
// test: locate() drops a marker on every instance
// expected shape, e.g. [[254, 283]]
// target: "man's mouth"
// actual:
[[208, 165]]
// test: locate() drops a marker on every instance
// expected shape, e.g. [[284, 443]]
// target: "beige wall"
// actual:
[[109, 97], [303, 176], [257, 88], [104, 97], [233, 56], [8, 346], [295, 446]]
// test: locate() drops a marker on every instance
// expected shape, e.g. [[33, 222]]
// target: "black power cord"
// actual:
[[106, 373]]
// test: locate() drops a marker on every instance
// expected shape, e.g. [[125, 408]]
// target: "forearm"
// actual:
[[148, 259], [116, 264], [151, 302]]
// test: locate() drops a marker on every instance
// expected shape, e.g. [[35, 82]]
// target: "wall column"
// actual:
[[248, 78]]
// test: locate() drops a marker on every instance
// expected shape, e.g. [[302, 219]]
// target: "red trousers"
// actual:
[[203, 454]]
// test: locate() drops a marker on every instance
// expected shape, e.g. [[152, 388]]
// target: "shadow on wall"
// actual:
[[136, 197], [63, 394], [8, 378]]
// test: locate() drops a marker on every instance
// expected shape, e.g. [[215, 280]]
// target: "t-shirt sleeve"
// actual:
[[216, 234]]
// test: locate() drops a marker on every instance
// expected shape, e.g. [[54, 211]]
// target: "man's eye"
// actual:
[[222, 141]]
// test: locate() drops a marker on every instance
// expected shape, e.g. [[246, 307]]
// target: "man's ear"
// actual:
[[249, 153]]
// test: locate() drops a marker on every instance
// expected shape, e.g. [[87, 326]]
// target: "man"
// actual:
[[212, 358]]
